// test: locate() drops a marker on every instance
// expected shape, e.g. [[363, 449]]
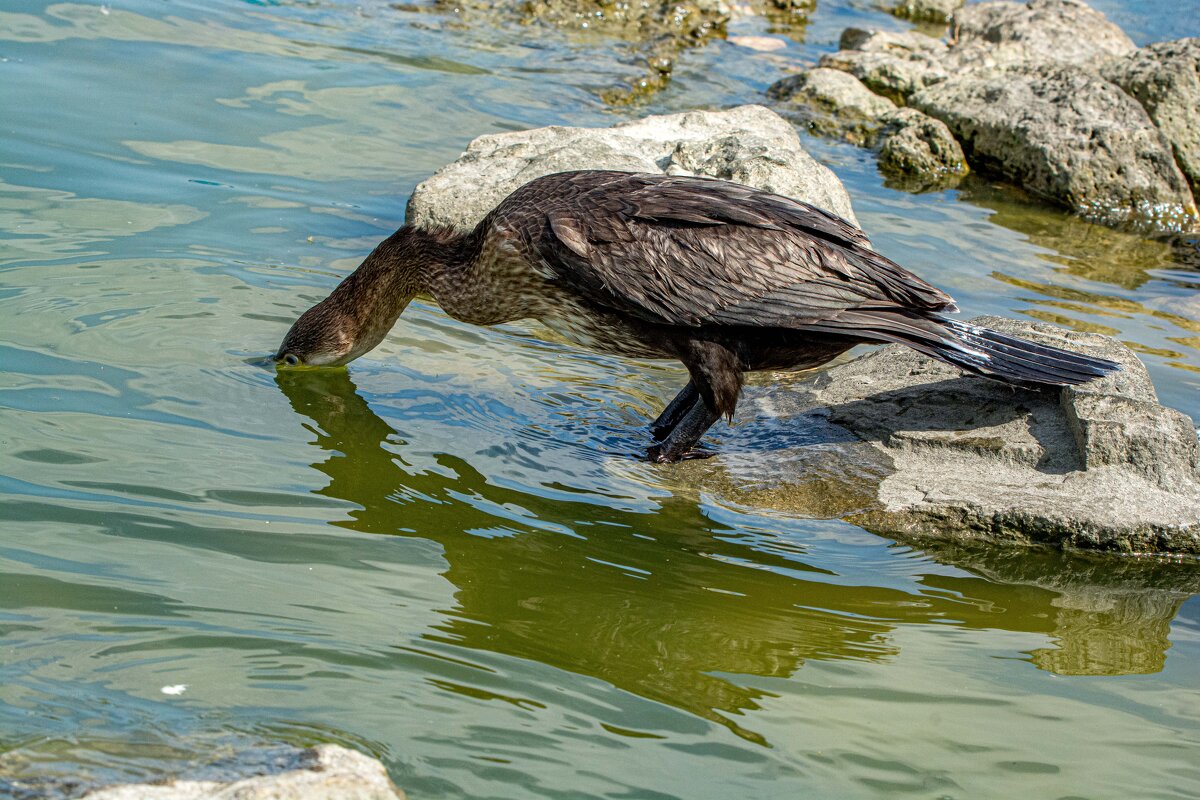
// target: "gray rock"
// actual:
[[831, 102], [749, 144], [1058, 31], [326, 771], [926, 10], [1068, 135], [918, 146], [894, 73], [984, 36], [873, 41], [965, 459], [1165, 79]]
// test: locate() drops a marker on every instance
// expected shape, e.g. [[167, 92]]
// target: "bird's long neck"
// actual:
[[410, 262], [472, 277]]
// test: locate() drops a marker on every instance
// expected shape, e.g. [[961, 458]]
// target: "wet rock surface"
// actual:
[[919, 151], [926, 10], [749, 144], [316, 773], [1067, 135], [656, 32], [873, 41], [893, 72], [830, 102], [912, 449], [1165, 79]]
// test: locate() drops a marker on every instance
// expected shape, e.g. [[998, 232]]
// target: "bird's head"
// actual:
[[359, 312], [325, 335]]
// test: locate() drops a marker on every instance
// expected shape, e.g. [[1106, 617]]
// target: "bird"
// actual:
[[723, 277]]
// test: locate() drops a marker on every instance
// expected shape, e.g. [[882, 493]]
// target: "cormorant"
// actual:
[[723, 277]]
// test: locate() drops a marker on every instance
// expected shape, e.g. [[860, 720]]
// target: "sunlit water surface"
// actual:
[[446, 557]]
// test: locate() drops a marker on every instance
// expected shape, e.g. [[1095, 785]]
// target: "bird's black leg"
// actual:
[[674, 412], [685, 434]]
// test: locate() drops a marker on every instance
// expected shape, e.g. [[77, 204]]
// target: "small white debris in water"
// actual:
[[104, 10], [177, 689], [763, 44]]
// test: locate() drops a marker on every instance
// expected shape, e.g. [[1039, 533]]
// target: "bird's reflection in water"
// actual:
[[665, 604]]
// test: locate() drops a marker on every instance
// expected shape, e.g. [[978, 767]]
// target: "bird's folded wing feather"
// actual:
[[690, 251]]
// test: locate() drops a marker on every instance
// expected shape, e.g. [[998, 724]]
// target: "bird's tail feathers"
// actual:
[[980, 350]]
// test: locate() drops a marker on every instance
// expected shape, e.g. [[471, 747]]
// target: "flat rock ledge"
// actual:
[[912, 449], [750, 144], [320, 773]]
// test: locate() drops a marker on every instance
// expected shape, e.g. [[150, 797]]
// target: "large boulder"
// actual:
[[1057, 31], [1068, 135], [831, 102], [984, 36], [749, 144], [911, 448], [1165, 79], [318, 773]]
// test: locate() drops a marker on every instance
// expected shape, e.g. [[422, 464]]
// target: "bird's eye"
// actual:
[[291, 359]]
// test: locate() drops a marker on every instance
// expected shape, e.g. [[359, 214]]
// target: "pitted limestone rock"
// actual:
[[749, 144], [1165, 78], [1068, 135], [321, 772]]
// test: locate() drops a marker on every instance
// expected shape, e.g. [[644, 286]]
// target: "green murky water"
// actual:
[[442, 557]]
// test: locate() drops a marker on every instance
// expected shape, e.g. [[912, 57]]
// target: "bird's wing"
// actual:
[[691, 251]]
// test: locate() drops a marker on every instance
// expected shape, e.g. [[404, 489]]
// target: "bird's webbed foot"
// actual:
[[680, 443], [655, 455]]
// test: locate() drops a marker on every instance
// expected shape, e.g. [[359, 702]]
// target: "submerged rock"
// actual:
[[749, 144], [649, 34], [920, 150], [1068, 135], [318, 773], [830, 102], [961, 458], [1165, 79]]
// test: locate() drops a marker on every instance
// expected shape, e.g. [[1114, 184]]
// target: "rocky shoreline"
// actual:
[[1047, 94]]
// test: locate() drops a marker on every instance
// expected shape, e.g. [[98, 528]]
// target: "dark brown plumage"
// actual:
[[722, 277]]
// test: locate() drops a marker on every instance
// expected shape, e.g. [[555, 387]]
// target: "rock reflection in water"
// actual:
[[1130, 284], [663, 606], [1107, 616], [1085, 249]]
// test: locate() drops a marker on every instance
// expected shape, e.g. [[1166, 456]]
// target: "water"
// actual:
[[444, 557]]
